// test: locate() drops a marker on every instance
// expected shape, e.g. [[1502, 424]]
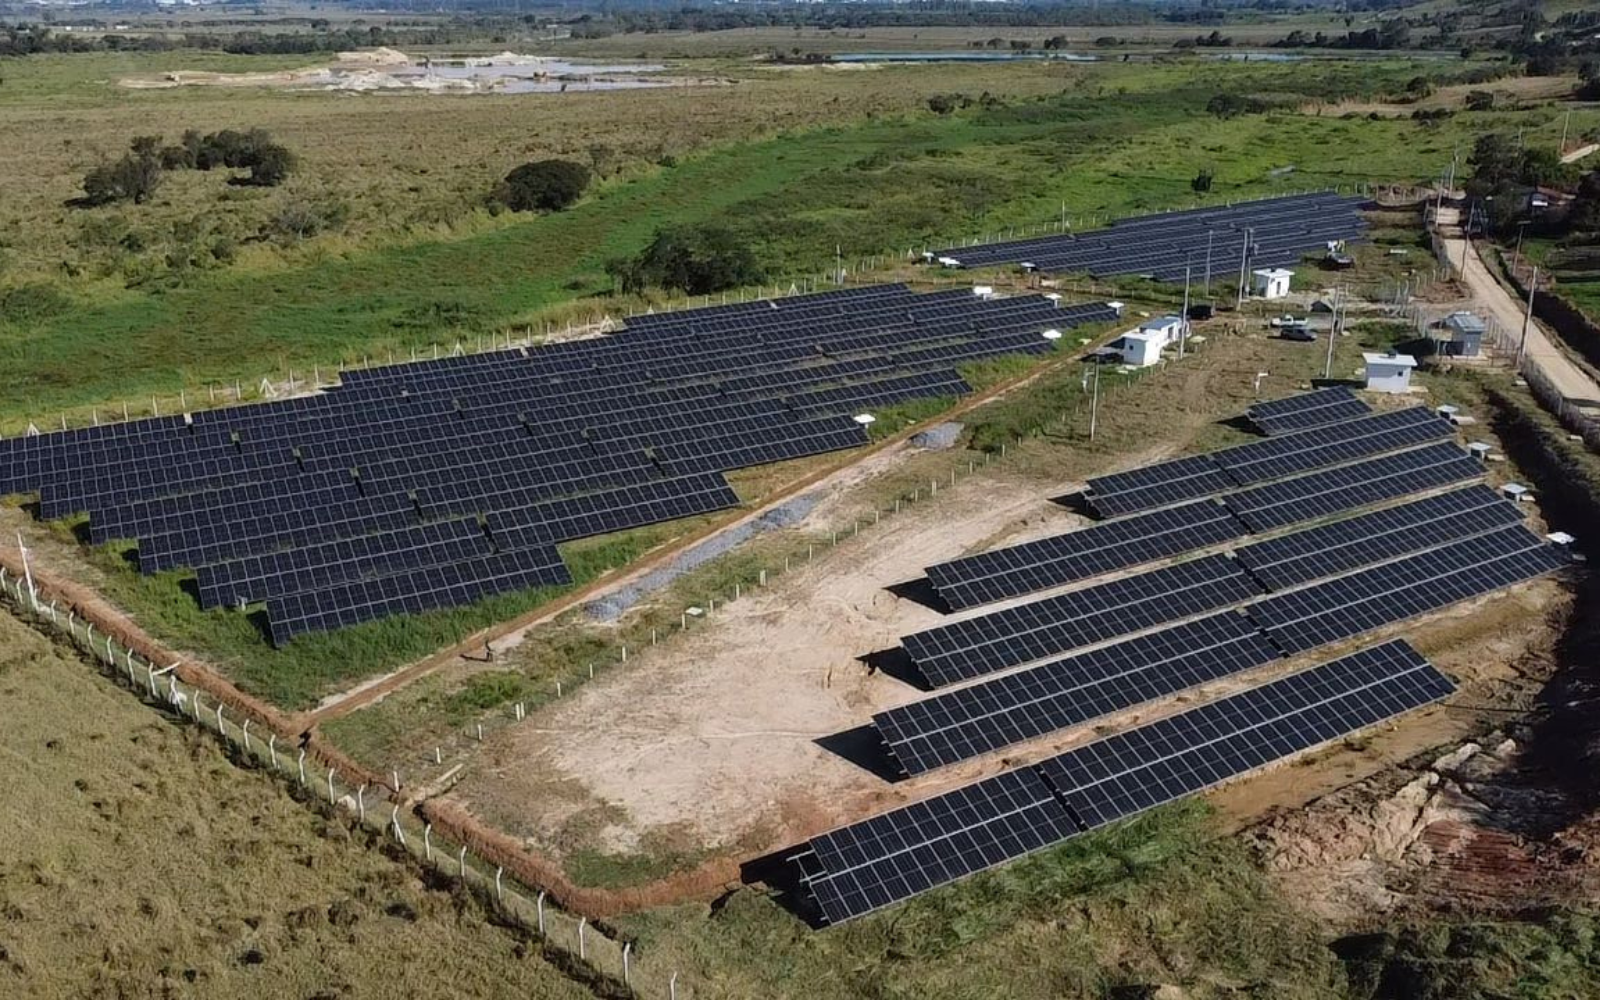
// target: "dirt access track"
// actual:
[[1542, 350]]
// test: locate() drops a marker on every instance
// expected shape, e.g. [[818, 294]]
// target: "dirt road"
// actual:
[[1496, 302]]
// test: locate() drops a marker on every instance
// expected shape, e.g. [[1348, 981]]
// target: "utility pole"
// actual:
[[1527, 318], [1522, 227], [1566, 123], [1244, 262], [1333, 331], [1094, 400], [1183, 328]]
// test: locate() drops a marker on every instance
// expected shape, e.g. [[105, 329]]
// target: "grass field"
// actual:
[[1575, 270], [800, 162], [140, 862]]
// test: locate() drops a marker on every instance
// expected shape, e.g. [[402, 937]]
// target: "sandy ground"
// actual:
[[715, 737]]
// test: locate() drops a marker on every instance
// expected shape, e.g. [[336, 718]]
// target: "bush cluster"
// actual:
[[138, 173]]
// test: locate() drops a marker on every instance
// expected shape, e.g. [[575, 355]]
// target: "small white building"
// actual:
[[1141, 349], [1389, 372], [1167, 328], [1272, 283]]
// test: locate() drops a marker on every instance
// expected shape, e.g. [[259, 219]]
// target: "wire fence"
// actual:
[[599, 951]]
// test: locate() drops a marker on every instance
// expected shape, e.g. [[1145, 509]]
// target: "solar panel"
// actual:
[[1057, 625], [1130, 772], [1329, 549], [1325, 446], [1078, 555], [1350, 487], [1274, 232], [971, 721], [1302, 420], [410, 592], [1163, 494], [899, 854], [1152, 475], [1396, 591], [896, 855], [1317, 399]]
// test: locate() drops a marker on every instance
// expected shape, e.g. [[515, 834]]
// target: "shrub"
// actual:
[[133, 178], [542, 186], [30, 302], [697, 260]]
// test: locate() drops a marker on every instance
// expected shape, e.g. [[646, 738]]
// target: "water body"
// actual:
[[963, 55], [524, 76]]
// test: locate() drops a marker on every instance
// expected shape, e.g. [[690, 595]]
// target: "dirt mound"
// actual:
[[380, 56]]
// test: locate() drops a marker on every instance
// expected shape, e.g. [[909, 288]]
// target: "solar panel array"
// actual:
[[1247, 465], [969, 722], [1078, 555], [1130, 772], [1396, 591], [1279, 231], [1324, 584], [1303, 412], [1334, 548], [896, 855], [1056, 625], [433, 483]]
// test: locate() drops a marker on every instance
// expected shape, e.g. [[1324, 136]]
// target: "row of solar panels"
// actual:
[[1243, 472], [527, 405], [894, 856], [1129, 641], [431, 484], [1280, 231], [1167, 531], [1357, 575]]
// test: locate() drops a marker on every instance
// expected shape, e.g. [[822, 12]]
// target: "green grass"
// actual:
[[1575, 268], [1152, 902], [1114, 141]]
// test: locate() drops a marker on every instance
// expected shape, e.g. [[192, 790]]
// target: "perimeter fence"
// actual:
[[584, 950]]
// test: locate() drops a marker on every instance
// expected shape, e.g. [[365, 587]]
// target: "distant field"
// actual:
[[799, 162], [140, 862], [1081, 38]]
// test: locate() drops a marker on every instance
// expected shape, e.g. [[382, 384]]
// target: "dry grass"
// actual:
[[139, 862], [404, 166]]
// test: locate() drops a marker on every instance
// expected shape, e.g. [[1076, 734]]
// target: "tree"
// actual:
[[1585, 214], [1234, 105], [1480, 100], [697, 260], [133, 178], [542, 186], [941, 104], [269, 165], [1201, 184]]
